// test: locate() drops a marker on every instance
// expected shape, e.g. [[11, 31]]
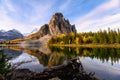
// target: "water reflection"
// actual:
[[49, 60], [91, 58], [104, 54], [12, 51], [57, 55], [105, 62]]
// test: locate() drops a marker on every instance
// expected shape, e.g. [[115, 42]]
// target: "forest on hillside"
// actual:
[[101, 37]]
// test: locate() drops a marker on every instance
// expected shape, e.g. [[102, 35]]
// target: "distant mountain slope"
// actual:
[[33, 31], [10, 35], [57, 25]]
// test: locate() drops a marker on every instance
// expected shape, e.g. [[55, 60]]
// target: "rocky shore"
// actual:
[[72, 70]]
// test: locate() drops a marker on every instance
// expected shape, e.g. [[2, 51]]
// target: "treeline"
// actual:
[[100, 37], [15, 41]]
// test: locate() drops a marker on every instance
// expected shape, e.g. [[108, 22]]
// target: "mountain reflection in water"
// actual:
[[103, 61]]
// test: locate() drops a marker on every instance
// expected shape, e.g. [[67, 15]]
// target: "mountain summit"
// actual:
[[57, 25]]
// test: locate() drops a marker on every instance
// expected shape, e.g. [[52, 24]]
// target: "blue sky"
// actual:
[[87, 15]]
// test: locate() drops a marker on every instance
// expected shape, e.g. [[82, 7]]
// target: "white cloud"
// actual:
[[7, 23], [40, 11], [65, 5], [104, 23], [9, 6], [100, 17]]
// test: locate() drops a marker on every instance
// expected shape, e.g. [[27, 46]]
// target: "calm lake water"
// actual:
[[104, 62]]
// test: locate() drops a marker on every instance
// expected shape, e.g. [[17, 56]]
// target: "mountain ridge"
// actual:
[[10, 35], [57, 25]]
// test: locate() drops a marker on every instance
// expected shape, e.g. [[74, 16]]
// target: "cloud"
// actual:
[[28, 11], [41, 15], [25, 15], [40, 11], [35, 18], [65, 5], [9, 6], [101, 17], [94, 25], [7, 23]]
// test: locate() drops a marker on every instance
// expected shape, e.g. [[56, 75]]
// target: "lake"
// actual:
[[104, 62]]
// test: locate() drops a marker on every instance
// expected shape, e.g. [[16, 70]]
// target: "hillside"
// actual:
[[10, 35]]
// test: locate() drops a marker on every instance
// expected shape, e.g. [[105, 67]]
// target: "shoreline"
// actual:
[[116, 45], [87, 45]]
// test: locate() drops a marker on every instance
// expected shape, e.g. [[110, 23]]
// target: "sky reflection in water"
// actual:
[[104, 62], [29, 62]]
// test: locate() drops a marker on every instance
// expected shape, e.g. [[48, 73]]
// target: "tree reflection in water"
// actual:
[[59, 63], [61, 55], [104, 54]]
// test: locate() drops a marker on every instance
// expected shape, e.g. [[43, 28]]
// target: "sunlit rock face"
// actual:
[[57, 25]]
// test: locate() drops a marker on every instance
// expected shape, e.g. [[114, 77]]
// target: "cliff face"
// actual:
[[44, 30], [57, 25]]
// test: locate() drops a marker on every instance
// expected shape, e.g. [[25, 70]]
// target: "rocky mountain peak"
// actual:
[[58, 15], [57, 25], [56, 18]]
